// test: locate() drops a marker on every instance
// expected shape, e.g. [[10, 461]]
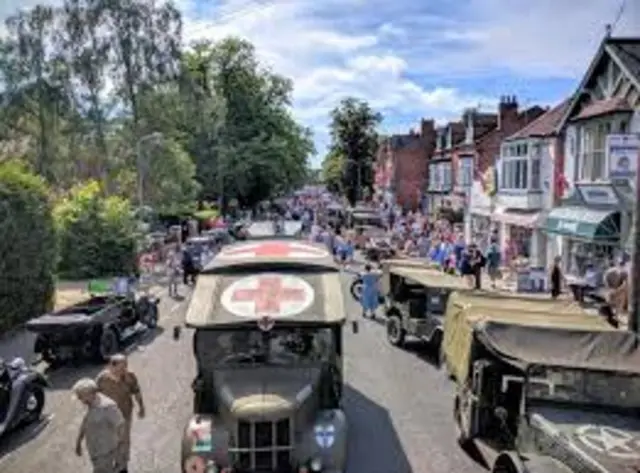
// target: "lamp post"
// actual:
[[140, 163]]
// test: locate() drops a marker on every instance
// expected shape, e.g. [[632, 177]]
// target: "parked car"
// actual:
[[95, 328]]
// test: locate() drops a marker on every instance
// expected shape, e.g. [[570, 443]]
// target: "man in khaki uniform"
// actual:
[[102, 427], [121, 385]]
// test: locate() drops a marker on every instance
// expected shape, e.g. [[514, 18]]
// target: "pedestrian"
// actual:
[[478, 261], [102, 428], [493, 262], [174, 268], [121, 385], [556, 277], [370, 299]]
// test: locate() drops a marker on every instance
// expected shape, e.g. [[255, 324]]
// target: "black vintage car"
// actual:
[[22, 394], [268, 320], [543, 392], [95, 328]]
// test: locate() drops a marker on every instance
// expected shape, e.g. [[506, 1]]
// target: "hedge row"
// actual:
[[83, 235], [27, 246]]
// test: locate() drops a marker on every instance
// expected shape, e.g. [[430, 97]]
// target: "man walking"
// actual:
[[121, 385], [102, 427]]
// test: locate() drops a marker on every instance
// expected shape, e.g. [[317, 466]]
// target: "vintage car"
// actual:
[[97, 327], [416, 298], [268, 318], [201, 249], [543, 392]]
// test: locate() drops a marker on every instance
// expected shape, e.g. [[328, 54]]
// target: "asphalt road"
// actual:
[[398, 405]]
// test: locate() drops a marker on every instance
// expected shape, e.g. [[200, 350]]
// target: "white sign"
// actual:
[[273, 249], [268, 295], [609, 441], [622, 155], [568, 226], [598, 195]]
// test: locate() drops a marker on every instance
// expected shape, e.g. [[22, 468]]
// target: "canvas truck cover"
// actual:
[[242, 298], [541, 330], [264, 254], [424, 275]]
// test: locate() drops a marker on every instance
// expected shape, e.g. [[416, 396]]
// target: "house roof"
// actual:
[[544, 125], [626, 53], [604, 107]]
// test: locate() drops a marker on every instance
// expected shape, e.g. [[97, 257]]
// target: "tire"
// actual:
[[461, 431], [34, 405], [108, 344], [395, 332], [356, 289]]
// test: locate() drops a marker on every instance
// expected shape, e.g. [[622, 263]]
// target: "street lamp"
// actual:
[[139, 162]]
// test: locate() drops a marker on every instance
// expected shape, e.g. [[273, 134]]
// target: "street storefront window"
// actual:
[[520, 241]]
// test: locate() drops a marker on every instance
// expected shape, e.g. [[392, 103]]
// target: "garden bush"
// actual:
[[97, 234], [27, 246]]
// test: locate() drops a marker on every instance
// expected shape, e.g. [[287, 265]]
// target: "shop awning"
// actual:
[[584, 224], [516, 218]]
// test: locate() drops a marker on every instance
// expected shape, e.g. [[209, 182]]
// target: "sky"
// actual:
[[412, 59]]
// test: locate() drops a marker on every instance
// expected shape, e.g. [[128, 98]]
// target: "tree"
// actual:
[[333, 166], [354, 136]]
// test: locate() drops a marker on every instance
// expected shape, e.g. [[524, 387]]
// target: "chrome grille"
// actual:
[[262, 446]]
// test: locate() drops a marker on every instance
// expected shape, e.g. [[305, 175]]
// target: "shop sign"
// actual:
[[568, 226], [598, 195], [622, 156]]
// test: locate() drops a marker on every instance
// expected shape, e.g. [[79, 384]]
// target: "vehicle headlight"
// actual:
[[315, 465]]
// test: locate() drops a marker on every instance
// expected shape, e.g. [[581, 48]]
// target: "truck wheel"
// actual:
[[461, 423], [108, 344], [395, 332], [34, 404]]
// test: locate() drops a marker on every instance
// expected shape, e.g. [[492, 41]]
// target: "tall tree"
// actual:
[[332, 170], [354, 136]]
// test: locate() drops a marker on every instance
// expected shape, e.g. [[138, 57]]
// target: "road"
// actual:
[[397, 403]]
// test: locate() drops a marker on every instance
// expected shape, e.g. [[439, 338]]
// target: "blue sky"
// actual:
[[412, 59]]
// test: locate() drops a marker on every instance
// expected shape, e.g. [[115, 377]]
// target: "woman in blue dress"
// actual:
[[370, 299]]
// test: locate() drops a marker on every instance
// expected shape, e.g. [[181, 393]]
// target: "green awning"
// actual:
[[584, 224]]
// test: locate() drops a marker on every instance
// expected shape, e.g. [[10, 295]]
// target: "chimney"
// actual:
[[507, 111], [427, 128]]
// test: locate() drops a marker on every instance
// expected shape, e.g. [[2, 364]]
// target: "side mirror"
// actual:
[[354, 326], [177, 331]]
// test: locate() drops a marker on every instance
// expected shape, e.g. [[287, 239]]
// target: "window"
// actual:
[[465, 172], [434, 177], [623, 127], [592, 159], [535, 174], [446, 175], [514, 174]]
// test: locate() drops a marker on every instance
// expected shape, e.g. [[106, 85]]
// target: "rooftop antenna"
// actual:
[[607, 30], [612, 26]]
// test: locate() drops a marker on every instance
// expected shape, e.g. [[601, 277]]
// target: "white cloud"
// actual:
[[377, 50]]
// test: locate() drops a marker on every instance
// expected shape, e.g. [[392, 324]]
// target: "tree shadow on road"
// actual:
[[373, 444], [14, 440]]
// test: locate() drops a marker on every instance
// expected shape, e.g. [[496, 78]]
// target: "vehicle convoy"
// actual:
[[416, 300], [543, 392], [268, 320], [368, 225], [97, 327], [22, 394]]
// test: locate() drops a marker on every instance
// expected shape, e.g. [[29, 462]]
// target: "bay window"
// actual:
[[535, 174], [465, 172]]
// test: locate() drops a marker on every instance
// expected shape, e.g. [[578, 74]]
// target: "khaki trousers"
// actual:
[[124, 449]]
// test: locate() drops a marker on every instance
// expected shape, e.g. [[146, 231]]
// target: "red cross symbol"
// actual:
[[274, 249], [268, 295]]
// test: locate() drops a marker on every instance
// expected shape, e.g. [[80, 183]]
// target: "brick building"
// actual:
[[401, 165]]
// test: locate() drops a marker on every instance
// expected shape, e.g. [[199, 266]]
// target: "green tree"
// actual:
[[333, 166], [28, 245], [354, 136]]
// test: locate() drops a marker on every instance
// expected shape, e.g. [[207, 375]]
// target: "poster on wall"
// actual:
[[622, 156]]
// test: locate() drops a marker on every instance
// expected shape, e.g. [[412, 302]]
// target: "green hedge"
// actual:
[[27, 246], [97, 234]]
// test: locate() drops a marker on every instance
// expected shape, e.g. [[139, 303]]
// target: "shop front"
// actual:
[[590, 227], [521, 235], [478, 223]]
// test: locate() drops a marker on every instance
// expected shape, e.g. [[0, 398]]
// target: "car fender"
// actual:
[[325, 441], [19, 389], [204, 439], [509, 461], [544, 464]]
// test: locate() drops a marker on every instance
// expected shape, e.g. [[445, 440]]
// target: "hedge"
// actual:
[[27, 246], [97, 234]]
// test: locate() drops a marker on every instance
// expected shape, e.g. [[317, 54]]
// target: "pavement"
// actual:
[[399, 406]]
